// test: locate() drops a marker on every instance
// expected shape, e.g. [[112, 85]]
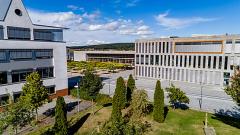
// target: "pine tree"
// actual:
[[34, 93], [130, 88], [60, 126], [158, 110]]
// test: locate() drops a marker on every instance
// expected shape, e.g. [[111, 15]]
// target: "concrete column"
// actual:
[[5, 33], [9, 77], [212, 59]]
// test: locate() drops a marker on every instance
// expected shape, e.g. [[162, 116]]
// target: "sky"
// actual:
[[112, 21]]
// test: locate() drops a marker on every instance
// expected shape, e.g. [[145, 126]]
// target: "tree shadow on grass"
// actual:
[[74, 128], [229, 117]]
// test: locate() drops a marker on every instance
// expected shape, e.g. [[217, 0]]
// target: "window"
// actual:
[[161, 60], [169, 60], [44, 54], [1, 33], [151, 59], [226, 63], [146, 59], [16, 96], [165, 60], [157, 60], [3, 78], [20, 76], [209, 61], [4, 100], [46, 72], [220, 63], [21, 54], [160, 45], [181, 61], [163, 47], [204, 61], [194, 61], [18, 12], [214, 62], [190, 61], [137, 59], [48, 35], [18, 33], [51, 89], [185, 61], [167, 47], [142, 59], [177, 61], [199, 61], [3, 56]]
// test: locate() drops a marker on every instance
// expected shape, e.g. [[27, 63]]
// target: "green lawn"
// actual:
[[191, 122]]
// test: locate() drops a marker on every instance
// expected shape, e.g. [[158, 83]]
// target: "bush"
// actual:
[[103, 99], [177, 97]]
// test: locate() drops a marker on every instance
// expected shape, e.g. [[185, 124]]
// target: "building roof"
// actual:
[[4, 6]]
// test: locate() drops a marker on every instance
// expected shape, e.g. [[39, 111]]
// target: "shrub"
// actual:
[[103, 99], [90, 86], [177, 97], [158, 109]]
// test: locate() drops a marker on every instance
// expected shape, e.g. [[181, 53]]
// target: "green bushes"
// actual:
[[177, 97], [83, 65], [158, 108]]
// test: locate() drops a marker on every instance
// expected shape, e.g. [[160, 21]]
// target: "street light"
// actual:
[[78, 98]]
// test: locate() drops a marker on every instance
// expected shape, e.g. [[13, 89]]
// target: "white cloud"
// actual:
[[73, 7], [88, 27], [177, 23]]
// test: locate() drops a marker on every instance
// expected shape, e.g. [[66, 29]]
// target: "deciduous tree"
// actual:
[[234, 89], [177, 97], [34, 93]]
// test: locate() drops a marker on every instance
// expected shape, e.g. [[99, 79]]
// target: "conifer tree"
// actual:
[[60, 126], [120, 93], [158, 109], [130, 88]]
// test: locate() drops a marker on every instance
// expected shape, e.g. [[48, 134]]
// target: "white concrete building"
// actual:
[[26, 47], [126, 57], [208, 60]]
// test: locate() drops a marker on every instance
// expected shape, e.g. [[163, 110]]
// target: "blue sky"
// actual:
[[107, 21]]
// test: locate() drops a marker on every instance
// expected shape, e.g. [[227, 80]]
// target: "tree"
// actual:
[[177, 97], [130, 87], [17, 115], [139, 104], [158, 108], [34, 93], [234, 89], [60, 126], [90, 86], [120, 93]]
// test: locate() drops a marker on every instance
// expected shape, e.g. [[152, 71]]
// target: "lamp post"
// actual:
[[201, 85], [78, 98]]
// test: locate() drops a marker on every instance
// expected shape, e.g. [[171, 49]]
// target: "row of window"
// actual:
[[38, 34], [187, 75], [4, 99], [154, 47], [25, 54], [20, 75], [210, 62], [199, 43]]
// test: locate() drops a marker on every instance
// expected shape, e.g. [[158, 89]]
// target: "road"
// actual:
[[213, 98]]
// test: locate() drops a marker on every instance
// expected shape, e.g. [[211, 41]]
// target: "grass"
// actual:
[[177, 122], [189, 122]]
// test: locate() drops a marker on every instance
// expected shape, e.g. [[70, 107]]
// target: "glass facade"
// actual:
[[46, 72], [1, 33], [44, 54], [18, 33], [3, 78], [20, 75], [48, 35], [21, 54]]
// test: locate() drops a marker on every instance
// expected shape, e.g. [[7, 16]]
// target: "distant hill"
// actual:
[[113, 46]]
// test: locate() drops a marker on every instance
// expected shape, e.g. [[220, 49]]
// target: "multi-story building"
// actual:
[[126, 57], [26, 47], [208, 60]]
